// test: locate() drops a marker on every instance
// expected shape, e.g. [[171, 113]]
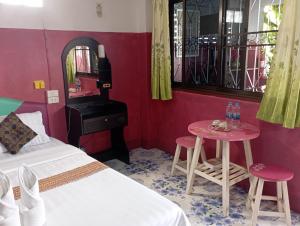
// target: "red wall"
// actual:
[[28, 55], [275, 145], [164, 121]]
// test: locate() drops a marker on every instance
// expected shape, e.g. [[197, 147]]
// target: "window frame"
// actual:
[[219, 89]]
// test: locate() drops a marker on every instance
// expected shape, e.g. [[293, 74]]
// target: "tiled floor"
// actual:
[[203, 207]]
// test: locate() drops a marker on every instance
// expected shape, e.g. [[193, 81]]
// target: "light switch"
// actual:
[[42, 84], [53, 96], [39, 84]]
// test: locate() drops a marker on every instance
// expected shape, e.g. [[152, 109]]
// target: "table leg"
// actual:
[[225, 173], [218, 149], [203, 154], [248, 153], [249, 158], [191, 177]]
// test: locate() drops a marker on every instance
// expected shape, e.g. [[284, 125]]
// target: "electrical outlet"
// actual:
[[52, 93], [52, 96]]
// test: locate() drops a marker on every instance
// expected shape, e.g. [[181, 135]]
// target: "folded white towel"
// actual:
[[9, 211], [32, 207]]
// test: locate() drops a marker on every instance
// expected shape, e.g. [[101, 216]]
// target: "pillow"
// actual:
[[35, 122], [14, 134], [2, 149]]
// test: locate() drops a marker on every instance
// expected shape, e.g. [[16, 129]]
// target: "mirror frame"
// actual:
[[80, 41]]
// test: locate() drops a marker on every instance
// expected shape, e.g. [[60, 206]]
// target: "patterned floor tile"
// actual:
[[204, 206]]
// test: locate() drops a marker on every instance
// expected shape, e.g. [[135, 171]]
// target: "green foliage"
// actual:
[[272, 18]]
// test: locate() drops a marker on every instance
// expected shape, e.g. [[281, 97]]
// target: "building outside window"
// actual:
[[223, 45]]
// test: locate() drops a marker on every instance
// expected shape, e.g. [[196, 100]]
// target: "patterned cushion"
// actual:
[[14, 134]]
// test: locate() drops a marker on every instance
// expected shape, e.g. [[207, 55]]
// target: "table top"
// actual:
[[203, 129]]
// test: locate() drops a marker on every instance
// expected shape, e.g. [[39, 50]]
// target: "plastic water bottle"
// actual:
[[237, 115], [229, 114], [233, 119]]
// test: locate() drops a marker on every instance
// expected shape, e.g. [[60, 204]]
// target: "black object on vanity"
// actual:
[[88, 112]]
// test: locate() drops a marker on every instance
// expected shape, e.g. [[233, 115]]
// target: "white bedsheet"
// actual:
[[52, 143], [106, 198]]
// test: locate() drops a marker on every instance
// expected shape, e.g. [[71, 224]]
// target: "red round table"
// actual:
[[220, 170]]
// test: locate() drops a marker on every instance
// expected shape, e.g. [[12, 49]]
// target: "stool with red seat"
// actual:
[[187, 142], [270, 173]]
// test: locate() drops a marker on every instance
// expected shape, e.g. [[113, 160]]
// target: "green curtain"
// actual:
[[161, 58], [281, 101], [71, 70]]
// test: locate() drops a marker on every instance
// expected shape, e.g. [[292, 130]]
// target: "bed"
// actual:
[[101, 197]]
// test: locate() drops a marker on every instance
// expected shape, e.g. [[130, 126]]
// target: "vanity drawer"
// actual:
[[97, 124]]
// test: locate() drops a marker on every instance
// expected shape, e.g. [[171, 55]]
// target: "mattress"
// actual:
[[106, 198]]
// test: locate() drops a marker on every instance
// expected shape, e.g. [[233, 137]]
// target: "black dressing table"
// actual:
[[89, 114]]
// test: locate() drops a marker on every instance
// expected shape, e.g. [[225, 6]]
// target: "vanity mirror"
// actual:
[[80, 61], [87, 78]]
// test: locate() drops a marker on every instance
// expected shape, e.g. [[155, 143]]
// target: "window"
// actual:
[[83, 60], [223, 45], [30, 3]]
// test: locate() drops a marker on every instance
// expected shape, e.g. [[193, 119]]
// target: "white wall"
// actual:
[[118, 16], [254, 25], [144, 15]]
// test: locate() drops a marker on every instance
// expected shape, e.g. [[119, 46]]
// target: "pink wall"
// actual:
[[275, 145], [88, 85], [164, 121], [28, 55], [22, 60]]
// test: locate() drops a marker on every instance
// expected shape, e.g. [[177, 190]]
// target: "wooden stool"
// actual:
[[262, 173], [187, 142]]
